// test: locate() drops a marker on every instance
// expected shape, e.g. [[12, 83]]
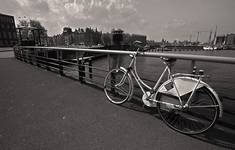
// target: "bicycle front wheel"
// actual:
[[197, 118], [118, 86]]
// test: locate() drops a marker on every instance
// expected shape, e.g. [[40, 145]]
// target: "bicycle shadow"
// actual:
[[218, 135]]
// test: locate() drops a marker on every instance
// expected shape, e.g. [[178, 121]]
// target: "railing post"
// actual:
[[81, 71], [77, 57], [59, 58], [61, 64], [31, 57], [192, 67], [15, 52], [26, 56], [90, 68], [34, 59], [47, 60], [81, 68], [23, 54], [37, 58], [112, 62], [108, 62]]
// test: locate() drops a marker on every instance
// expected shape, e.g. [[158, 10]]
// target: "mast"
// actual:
[[215, 34], [209, 41]]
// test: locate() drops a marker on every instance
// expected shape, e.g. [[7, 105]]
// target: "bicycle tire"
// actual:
[[118, 94], [200, 116]]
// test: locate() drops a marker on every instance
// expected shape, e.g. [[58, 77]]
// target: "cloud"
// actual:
[[176, 28], [175, 24], [104, 14]]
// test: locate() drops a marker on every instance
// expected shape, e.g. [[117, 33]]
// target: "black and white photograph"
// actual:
[[117, 74]]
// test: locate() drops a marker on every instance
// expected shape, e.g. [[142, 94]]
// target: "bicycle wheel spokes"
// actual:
[[117, 87], [197, 118]]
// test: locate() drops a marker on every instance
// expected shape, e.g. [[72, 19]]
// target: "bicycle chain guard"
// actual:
[[147, 102]]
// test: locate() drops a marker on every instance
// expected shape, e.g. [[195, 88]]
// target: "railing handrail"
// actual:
[[215, 59]]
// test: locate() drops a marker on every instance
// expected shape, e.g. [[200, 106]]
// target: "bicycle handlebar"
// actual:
[[139, 46]]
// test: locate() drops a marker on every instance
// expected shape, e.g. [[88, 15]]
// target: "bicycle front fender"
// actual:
[[185, 85]]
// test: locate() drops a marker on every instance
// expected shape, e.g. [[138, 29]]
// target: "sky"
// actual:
[[168, 19]]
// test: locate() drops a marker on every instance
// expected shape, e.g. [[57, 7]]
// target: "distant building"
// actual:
[[138, 37], [230, 41], [90, 37], [220, 40], [7, 31], [79, 37], [129, 39], [67, 34]]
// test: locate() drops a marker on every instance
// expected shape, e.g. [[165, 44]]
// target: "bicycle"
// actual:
[[184, 102]]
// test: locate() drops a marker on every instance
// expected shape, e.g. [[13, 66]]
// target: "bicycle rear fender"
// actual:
[[186, 85]]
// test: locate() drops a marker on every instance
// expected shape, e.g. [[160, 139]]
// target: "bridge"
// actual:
[[41, 109]]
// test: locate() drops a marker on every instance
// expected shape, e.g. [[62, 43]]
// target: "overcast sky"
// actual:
[[169, 19]]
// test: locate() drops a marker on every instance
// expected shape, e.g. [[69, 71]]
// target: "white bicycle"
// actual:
[[184, 102]]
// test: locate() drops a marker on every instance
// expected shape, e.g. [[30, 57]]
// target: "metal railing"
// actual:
[[83, 64], [216, 59], [80, 63]]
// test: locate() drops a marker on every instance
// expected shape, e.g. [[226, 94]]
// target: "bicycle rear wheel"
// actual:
[[118, 87], [201, 114]]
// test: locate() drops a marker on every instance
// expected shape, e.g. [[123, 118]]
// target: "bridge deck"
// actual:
[[42, 110]]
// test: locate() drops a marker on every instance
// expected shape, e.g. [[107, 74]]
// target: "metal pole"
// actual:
[[37, 58], [90, 68], [108, 62], [24, 54], [30, 57], [59, 58], [34, 59], [47, 60], [81, 69], [60, 63], [192, 67], [77, 57]]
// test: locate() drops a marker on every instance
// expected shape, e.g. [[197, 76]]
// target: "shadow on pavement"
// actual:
[[218, 135]]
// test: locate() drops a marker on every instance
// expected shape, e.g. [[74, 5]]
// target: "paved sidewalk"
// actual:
[[41, 110]]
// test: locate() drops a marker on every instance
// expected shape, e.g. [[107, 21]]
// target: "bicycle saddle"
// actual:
[[137, 42]]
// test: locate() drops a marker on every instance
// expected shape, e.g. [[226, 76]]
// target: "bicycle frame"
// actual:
[[132, 69]]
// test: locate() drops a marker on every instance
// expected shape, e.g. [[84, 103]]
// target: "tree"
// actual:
[[106, 39], [23, 23], [37, 24], [39, 34]]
